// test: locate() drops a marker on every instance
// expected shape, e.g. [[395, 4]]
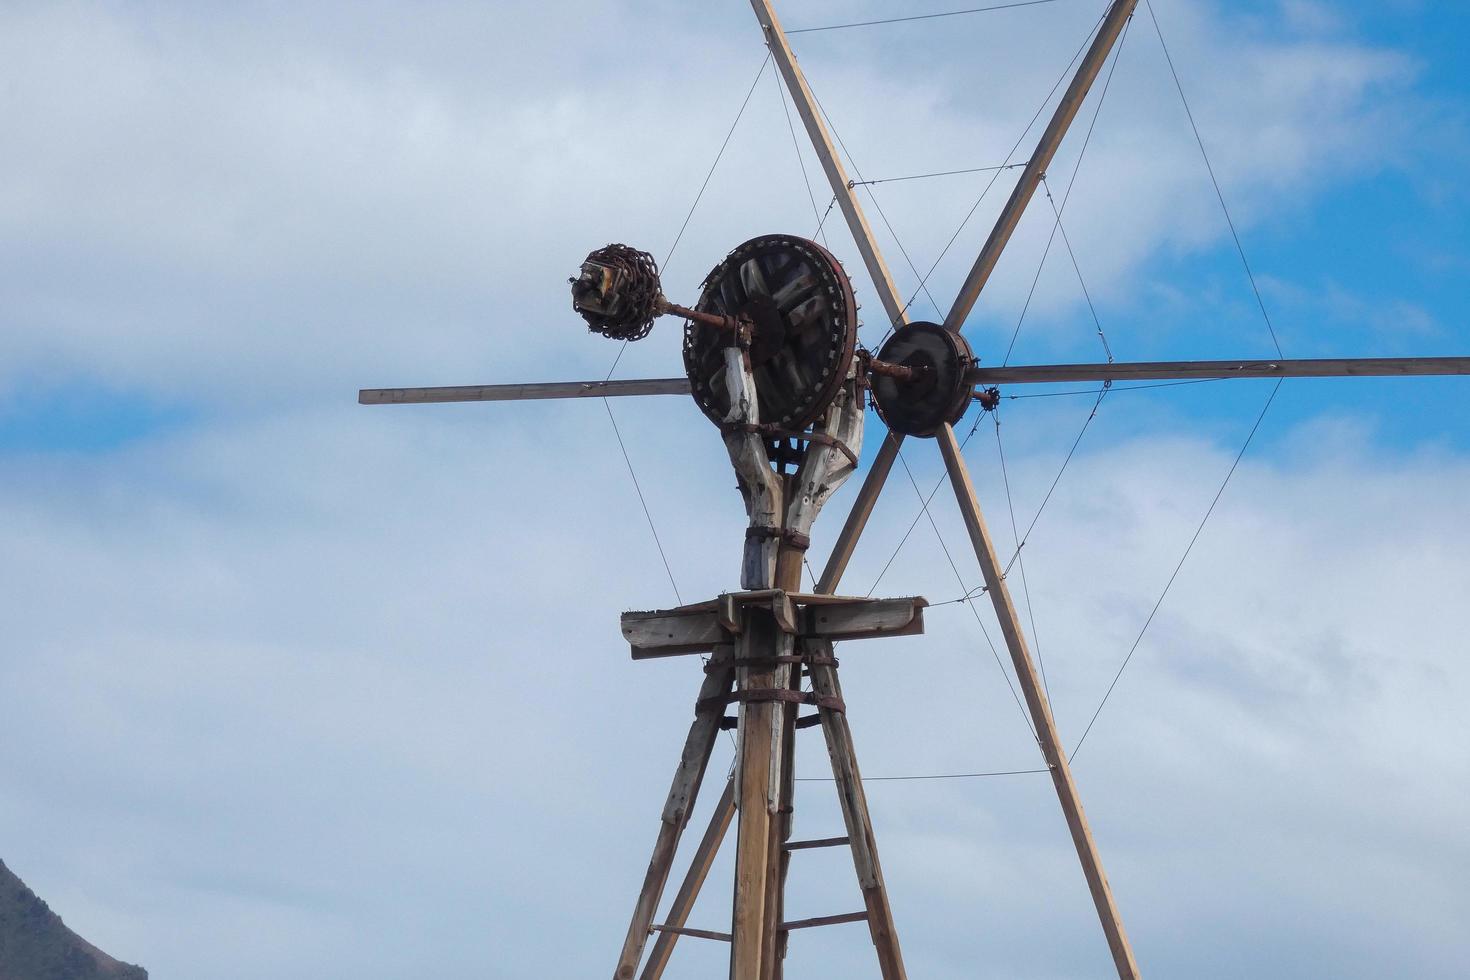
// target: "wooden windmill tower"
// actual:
[[771, 358]]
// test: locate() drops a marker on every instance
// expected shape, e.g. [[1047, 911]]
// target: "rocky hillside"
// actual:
[[36, 945]]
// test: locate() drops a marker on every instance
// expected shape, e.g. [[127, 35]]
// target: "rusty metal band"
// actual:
[[822, 439], [804, 660], [712, 667], [795, 539], [769, 661], [763, 695], [776, 432]]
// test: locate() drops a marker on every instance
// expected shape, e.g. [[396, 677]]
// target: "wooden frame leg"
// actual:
[[779, 857], [704, 857], [682, 794], [757, 796], [854, 804]]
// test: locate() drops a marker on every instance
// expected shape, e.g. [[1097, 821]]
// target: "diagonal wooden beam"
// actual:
[[847, 200], [1061, 120], [862, 509], [704, 857], [1038, 707], [867, 246]]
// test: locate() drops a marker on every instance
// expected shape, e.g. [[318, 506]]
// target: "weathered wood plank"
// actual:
[[802, 845], [756, 796], [522, 392], [1350, 367], [824, 920], [866, 618], [657, 634], [723, 937]]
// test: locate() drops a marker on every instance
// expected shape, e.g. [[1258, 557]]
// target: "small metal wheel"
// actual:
[[939, 394], [805, 319]]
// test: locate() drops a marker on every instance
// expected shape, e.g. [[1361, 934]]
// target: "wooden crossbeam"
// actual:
[[824, 920], [522, 392], [1339, 367], [702, 627], [1349, 367], [723, 937], [806, 845]]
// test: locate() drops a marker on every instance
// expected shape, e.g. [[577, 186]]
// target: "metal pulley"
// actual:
[[933, 390]]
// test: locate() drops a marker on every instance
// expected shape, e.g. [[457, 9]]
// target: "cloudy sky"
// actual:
[[295, 688]]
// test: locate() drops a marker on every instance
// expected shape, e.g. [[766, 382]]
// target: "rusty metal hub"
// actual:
[[934, 391]]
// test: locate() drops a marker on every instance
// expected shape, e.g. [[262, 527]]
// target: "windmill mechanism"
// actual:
[[787, 305], [771, 358]]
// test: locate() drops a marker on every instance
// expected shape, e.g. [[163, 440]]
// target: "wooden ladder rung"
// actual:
[[824, 920], [808, 721], [723, 937], [802, 845]]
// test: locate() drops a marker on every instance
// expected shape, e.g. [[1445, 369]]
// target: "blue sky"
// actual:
[[296, 688]]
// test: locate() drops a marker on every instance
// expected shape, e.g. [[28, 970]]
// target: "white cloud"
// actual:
[[212, 205]]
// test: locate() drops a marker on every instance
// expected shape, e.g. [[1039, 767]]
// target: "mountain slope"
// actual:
[[36, 945]]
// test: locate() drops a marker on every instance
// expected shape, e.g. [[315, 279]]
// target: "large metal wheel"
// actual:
[[939, 394], [805, 318]]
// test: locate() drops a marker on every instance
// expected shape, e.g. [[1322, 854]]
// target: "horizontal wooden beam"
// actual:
[[700, 627], [824, 920], [669, 634], [524, 392], [720, 937], [804, 845], [1350, 367], [873, 617]]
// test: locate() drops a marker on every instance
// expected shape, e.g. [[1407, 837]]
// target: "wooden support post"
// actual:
[[757, 792], [854, 804], [704, 857], [778, 860], [1036, 704], [682, 795]]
